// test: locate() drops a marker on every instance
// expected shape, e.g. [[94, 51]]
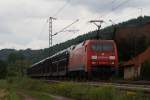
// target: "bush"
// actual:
[[3, 69]]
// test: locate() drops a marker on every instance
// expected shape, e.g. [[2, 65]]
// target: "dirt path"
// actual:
[[3, 94], [60, 98], [24, 96], [54, 97]]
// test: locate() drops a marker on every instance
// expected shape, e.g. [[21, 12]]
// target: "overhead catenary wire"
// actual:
[[113, 1], [66, 3], [130, 14], [116, 7], [113, 8], [55, 14], [124, 2], [105, 5], [61, 8], [109, 3], [66, 27]]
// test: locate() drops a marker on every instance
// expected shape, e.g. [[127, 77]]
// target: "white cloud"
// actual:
[[35, 44], [23, 22]]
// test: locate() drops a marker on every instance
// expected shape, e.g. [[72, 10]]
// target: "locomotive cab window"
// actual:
[[102, 47], [108, 47]]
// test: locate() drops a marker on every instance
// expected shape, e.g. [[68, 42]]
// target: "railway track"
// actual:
[[133, 86], [124, 86]]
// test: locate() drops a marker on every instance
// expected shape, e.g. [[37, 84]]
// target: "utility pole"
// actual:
[[114, 31], [141, 11], [98, 23], [51, 31]]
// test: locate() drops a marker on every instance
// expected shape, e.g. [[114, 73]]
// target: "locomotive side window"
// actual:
[[102, 47]]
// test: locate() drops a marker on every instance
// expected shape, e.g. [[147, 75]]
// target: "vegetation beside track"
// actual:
[[78, 91], [22, 89]]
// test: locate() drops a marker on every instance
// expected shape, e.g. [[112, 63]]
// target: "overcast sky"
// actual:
[[23, 23]]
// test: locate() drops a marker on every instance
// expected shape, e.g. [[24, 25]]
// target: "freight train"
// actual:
[[90, 58]]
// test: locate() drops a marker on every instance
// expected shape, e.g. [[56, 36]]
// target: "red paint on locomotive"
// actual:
[[93, 53]]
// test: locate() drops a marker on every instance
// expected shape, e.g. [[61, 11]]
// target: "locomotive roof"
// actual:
[[102, 40], [60, 52], [66, 50], [48, 58], [40, 61]]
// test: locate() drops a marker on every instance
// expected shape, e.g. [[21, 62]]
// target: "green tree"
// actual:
[[3, 69], [21, 66], [18, 68], [12, 57], [17, 64]]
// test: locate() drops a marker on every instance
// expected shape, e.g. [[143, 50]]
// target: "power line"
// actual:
[[115, 8], [105, 5], [50, 23], [126, 1], [47, 20], [109, 3], [66, 27], [61, 8], [113, 1]]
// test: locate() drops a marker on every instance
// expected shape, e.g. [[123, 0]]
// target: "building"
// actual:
[[132, 68]]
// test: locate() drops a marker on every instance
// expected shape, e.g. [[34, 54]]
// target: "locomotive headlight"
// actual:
[[94, 57], [113, 63], [112, 57]]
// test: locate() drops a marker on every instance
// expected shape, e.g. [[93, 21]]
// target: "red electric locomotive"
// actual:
[[89, 58], [93, 57]]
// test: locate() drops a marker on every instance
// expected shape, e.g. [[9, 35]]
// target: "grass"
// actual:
[[13, 96], [29, 87], [39, 95], [86, 92], [41, 90]]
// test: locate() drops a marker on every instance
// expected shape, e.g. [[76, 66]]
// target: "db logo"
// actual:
[[102, 54]]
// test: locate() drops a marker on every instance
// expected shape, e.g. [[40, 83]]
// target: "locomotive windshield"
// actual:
[[102, 47]]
